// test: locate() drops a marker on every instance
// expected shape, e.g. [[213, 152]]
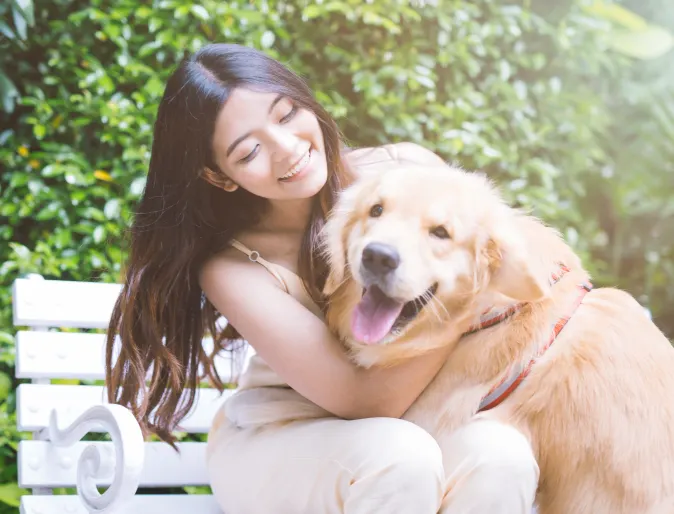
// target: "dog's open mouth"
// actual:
[[377, 315]]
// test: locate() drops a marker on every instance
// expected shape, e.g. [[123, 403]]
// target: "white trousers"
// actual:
[[370, 466]]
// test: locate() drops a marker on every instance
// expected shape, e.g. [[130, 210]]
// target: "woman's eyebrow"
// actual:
[[231, 147]]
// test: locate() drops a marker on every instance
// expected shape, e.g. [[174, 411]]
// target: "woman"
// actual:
[[244, 167]]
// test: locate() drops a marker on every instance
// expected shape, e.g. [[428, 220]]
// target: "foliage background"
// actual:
[[568, 104]]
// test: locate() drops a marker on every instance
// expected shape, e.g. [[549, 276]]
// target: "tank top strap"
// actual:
[[254, 256]]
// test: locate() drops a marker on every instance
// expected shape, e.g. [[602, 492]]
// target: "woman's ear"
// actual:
[[219, 179]]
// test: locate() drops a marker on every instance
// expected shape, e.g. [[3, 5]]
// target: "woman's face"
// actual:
[[267, 145]]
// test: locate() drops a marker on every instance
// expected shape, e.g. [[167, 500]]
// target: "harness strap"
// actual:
[[517, 373]]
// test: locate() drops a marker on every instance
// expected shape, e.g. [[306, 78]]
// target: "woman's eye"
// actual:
[[376, 211], [290, 115], [440, 232], [251, 155]]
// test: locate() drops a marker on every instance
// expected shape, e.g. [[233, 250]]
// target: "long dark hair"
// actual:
[[161, 315]]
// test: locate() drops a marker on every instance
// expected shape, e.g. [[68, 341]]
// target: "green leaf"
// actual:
[[19, 23], [52, 170], [137, 186], [49, 212], [198, 489], [8, 93], [112, 208], [27, 10], [143, 12], [11, 494], [154, 86], [99, 234], [200, 12], [649, 43], [6, 30], [5, 386], [267, 39], [6, 338], [39, 131], [21, 251], [312, 11], [617, 14]]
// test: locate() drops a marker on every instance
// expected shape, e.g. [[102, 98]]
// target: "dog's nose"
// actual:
[[380, 259]]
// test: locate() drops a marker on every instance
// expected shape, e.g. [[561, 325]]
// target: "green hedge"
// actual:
[[537, 98]]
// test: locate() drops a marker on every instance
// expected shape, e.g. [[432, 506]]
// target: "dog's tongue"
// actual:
[[374, 316]]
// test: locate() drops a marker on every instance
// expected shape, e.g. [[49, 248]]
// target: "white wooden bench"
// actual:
[[60, 415]]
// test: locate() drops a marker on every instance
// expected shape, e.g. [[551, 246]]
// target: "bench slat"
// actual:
[[42, 464], [82, 356], [140, 504], [62, 303], [60, 355], [35, 402]]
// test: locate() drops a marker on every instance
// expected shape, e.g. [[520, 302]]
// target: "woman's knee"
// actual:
[[496, 452], [397, 440], [401, 469], [490, 467], [402, 448]]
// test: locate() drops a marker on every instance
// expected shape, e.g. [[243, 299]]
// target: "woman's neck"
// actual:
[[287, 215]]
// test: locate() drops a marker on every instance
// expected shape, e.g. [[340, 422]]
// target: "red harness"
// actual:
[[516, 373]]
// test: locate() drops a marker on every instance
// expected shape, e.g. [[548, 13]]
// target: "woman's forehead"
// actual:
[[243, 111], [245, 103]]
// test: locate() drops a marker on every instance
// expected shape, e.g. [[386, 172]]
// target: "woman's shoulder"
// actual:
[[230, 280], [227, 260], [400, 152]]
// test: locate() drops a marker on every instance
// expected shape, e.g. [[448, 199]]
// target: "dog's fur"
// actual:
[[596, 407]]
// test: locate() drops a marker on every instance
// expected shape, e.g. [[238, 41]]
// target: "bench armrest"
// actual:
[[129, 448]]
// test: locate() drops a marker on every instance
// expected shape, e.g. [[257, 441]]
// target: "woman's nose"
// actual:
[[285, 144]]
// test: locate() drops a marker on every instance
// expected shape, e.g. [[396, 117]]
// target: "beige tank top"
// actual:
[[258, 373]]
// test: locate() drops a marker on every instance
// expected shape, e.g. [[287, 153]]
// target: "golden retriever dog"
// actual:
[[429, 256]]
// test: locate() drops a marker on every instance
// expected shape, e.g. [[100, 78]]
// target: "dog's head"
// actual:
[[416, 244]]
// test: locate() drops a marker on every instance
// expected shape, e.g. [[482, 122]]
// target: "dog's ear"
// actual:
[[516, 270], [334, 234], [333, 247]]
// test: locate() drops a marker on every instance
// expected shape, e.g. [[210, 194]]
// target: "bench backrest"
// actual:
[[48, 347]]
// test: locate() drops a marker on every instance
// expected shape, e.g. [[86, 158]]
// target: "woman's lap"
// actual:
[[372, 465], [323, 466]]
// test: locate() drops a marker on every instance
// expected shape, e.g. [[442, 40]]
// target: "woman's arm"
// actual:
[[298, 346]]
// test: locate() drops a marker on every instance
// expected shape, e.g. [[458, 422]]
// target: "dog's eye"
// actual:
[[376, 210], [440, 232]]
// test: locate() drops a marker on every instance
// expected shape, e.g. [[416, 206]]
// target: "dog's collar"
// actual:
[[516, 373]]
